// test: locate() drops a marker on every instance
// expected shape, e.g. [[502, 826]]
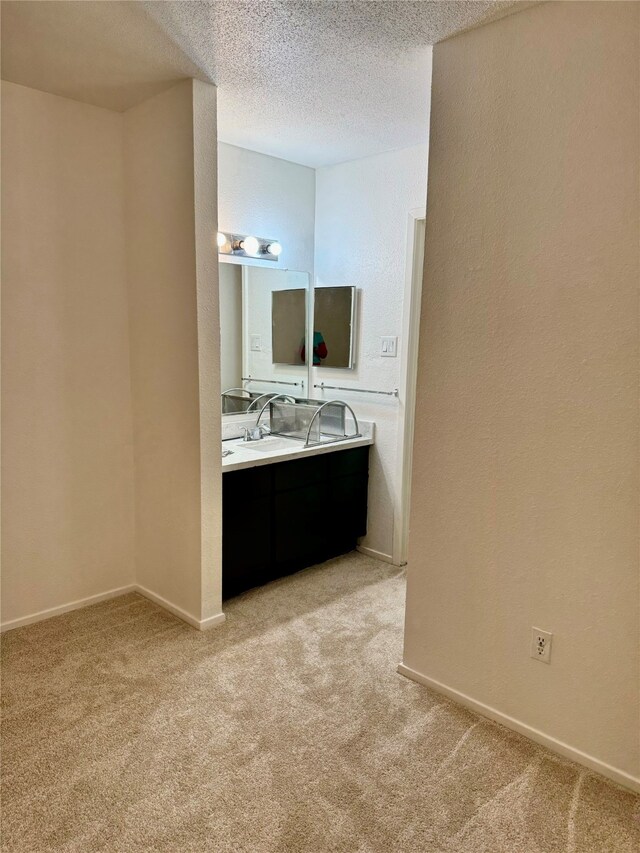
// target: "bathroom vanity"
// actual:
[[299, 495], [290, 507]]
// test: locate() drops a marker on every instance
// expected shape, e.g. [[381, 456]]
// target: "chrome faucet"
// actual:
[[255, 433]]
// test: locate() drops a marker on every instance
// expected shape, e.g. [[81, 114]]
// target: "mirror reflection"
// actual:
[[333, 336], [230, 284], [262, 334], [288, 326], [264, 339]]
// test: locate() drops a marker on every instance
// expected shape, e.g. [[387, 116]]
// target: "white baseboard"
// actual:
[[205, 624], [619, 776], [66, 608], [377, 555], [200, 624]]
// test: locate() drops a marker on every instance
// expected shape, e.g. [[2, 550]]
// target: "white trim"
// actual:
[[200, 624], [619, 776], [377, 555], [244, 285], [66, 608], [408, 378], [205, 624]]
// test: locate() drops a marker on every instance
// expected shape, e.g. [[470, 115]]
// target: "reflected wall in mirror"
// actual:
[[288, 326], [255, 361], [230, 283], [334, 322]]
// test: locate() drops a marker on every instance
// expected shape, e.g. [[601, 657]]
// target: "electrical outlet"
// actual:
[[541, 645]]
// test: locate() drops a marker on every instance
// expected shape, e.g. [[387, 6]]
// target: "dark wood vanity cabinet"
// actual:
[[284, 516]]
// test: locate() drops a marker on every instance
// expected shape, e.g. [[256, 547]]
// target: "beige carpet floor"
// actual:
[[285, 729]]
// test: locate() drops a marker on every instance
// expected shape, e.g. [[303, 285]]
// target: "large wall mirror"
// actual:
[[263, 322], [265, 344]]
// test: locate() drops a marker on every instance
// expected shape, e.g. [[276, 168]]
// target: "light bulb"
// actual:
[[222, 239], [274, 249], [250, 245]]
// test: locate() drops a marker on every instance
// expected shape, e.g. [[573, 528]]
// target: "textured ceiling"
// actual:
[[319, 82], [312, 82]]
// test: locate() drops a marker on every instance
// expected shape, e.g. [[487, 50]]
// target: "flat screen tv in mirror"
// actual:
[[334, 322]]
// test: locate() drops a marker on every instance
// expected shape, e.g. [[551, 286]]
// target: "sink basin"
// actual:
[[270, 445]]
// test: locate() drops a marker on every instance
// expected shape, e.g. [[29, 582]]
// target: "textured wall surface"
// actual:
[[268, 197], [174, 380], [525, 497], [67, 463], [362, 217], [111, 374]]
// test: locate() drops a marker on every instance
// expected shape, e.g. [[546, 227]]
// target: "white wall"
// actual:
[[268, 197], [172, 279], [67, 456], [525, 490], [362, 218], [111, 412]]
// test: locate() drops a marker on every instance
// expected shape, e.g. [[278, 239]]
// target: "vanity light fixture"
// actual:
[[250, 245], [247, 246]]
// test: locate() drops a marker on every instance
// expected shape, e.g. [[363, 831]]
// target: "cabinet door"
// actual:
[[300, 527], [297, 473], [247, 540], [348, 511], [349, 478], [346, 462], [287, 516]]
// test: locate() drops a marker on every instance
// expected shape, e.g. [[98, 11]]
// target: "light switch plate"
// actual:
[[389, 347], [256, 343]]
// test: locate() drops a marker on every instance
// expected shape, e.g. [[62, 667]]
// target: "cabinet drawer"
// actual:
[[300, 527], [353, 461], [238, 486], [247, 546], [300, 472], [348, 506]]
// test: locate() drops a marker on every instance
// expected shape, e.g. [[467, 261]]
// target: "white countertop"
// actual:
[[245, 455]]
